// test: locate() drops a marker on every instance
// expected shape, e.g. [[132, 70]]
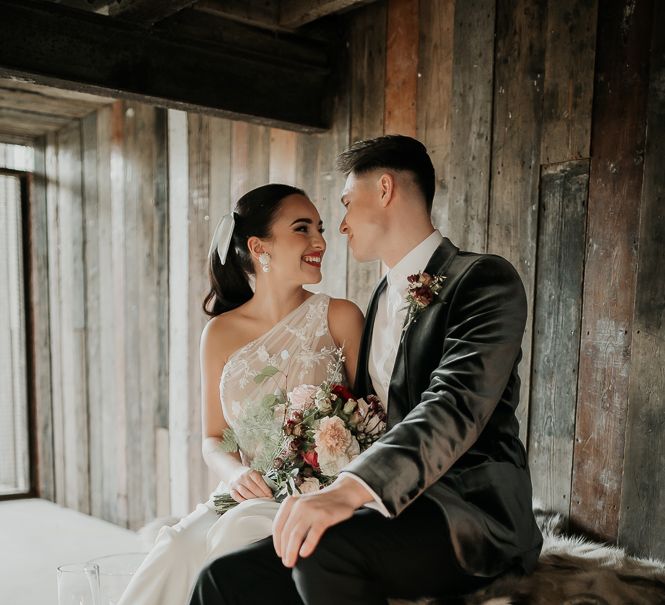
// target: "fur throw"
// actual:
[[573, 570]]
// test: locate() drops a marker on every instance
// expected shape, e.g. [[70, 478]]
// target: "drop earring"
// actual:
[[264, 259]]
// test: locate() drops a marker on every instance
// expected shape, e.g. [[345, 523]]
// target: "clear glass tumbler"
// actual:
[[115, 573], [78, 584]]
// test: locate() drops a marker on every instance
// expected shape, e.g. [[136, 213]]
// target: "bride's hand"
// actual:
[[248, 484]]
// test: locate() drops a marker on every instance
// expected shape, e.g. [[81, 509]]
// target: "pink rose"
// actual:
[[302, 397], [335, 445], [310, 486]]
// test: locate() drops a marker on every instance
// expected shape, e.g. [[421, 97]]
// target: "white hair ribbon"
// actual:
[[221, 240]]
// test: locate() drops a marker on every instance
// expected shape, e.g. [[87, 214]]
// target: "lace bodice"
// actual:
[[302, 349]]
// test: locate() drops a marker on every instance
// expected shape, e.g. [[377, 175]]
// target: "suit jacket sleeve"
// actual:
[[482, 340]]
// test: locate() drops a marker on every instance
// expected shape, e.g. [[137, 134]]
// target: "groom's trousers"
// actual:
[[365, 559]]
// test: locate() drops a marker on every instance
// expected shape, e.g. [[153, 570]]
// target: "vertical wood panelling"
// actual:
[[118, 288], [568, 87], [367, 43], [41, 343], [94, 318], [72, 297], [220, 202], [435, 85], [282, 156], [199, 241], [609, 285], [55, 308], [641, 524], [471, 128], [179, 313], [145, 220], [513, 216], [105, 365], [558, 309], [401, 67]]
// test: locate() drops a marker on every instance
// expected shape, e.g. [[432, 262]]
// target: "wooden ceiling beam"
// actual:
[[54, 45], [295, 13], [147, 12], [263, 14]]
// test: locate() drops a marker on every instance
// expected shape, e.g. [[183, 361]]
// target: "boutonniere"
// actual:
[[421, 291]]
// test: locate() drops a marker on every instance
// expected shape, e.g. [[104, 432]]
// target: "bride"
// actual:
[[275, 238]]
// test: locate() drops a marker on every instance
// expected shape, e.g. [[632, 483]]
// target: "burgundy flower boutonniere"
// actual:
[[421, 292]]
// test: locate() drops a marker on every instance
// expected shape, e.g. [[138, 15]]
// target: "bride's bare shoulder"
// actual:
[[344, 316], [220, 334]]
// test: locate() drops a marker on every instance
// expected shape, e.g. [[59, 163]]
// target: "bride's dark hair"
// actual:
[[254, 215]]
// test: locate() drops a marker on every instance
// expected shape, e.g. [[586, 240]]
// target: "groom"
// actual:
[[441, 504]]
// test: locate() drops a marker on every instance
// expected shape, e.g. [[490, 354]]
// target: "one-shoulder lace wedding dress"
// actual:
[[301, 346]]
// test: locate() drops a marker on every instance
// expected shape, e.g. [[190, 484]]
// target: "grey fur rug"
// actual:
[[575, 571]]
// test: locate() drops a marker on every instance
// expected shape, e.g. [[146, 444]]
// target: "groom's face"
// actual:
[[363, 221]]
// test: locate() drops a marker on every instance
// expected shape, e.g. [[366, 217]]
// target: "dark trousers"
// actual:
[[365, 559]]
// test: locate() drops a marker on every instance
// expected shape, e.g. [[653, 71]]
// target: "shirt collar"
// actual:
[[415, 261]]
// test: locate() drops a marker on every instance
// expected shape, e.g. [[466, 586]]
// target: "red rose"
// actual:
[[343, 392], [312, 458]]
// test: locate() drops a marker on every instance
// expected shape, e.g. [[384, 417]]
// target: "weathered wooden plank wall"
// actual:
[[501, 93], [108, 300], [617, 142], [641, 522]]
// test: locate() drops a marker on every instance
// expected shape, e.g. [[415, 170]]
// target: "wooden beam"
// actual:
[[147, 12], [259, 14], [295, 13], [54, 45]]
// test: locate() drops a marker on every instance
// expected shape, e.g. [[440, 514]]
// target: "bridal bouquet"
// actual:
[[319, 430]]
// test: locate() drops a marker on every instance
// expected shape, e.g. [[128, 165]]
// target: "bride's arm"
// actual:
[[345, 321], [243, 482]]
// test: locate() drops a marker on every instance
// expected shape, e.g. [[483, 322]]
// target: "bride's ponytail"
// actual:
[[254, 216]]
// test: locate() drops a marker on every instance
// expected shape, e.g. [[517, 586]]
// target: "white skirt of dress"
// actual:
[[171, 568]]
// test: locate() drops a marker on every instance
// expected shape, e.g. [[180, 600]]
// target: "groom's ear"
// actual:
[[386, 185]]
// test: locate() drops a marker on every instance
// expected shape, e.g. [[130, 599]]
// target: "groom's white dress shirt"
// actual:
[[388, 323]]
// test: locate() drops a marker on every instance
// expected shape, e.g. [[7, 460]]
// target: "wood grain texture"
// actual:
[[618, 137], [402, 42], [179, 313], [568, 85], [513, 215], [41, 344], [104, 367], [367, 48], [282, 168], [435, 85], [73, 337], [56, 45], [55, 307], [471, 128], [641, 523], [557, 315], [94, 320], [119, 314], [197, 252], [219, 203]]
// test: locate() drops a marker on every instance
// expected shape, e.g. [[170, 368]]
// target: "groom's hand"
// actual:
[[302, 520]]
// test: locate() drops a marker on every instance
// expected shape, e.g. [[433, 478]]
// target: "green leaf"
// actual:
[[270, 401], [267, 372], [229, 443]]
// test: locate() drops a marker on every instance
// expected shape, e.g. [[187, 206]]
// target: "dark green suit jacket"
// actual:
[[452, 432]]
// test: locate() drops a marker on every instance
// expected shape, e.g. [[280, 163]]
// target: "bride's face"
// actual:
[[297, 245]]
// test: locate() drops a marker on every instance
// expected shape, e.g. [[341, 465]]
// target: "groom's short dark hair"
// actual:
[[394, 151]]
